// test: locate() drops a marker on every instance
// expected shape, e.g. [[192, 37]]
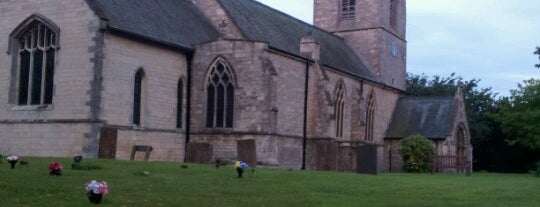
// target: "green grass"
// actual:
[[201, 185]]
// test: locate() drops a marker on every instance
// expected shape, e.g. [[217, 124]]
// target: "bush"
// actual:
[[417, 152], [537, 171]]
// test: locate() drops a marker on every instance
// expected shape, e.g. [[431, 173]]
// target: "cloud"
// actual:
[[491, 40], [485, 39]]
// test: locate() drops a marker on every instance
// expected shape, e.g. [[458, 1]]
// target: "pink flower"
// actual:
[[98, 187]]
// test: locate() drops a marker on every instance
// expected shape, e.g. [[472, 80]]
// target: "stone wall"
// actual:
[[162, 70], [73, 68], [167, 146], [46, 140], [65, 127], [251, 110], [369, 14], [289, 89], [380, 44]]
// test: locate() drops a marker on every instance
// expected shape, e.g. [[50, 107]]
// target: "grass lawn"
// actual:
[[201, 185]]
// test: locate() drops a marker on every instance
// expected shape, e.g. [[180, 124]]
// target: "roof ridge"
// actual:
[[294, 18], [427, 97]]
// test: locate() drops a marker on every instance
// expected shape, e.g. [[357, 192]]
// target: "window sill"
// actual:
[[220, 130], [32, 108]]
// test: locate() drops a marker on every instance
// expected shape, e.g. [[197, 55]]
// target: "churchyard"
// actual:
[[171, 184]]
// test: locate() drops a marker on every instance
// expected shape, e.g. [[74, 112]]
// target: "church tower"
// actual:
[[375, 29]]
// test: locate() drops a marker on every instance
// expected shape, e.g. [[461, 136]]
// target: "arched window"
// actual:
[[339, 110], [35, 42], [348, 9], [220, 95], [137, 97], [179, 105], [460, 145], [370, 117]]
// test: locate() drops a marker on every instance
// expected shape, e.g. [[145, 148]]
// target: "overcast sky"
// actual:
[[490, 40]]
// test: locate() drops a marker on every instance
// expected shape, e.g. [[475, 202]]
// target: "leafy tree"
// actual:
[[417, 152], [537, 52], [520, 114], [479, 103], [504, 132]]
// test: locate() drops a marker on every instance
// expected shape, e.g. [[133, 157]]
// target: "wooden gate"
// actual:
[[199, 153], [326, 157], [107, 143], [366, 159], [453, 163], [246, 151]]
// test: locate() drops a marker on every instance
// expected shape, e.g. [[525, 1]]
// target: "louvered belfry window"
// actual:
[[220, 96], [348, 9], [37, 53], [340, 108]]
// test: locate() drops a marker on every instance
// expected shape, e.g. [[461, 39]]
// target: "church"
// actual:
[[202, 80]]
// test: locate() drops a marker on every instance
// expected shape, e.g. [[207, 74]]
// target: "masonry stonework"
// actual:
[[94, 82], [73, 72], [379, 42]]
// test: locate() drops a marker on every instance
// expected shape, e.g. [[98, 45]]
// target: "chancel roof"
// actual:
[[177, 23], [432, 117]]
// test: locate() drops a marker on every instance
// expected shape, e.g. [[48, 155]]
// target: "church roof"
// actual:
[[171, 22], [432, 117], [179, 23], [259, 22]]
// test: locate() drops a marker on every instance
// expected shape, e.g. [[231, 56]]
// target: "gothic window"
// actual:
[[460, 146], [36, 45], [339, 110], [179, 105], [137, 97], [393, 13], [348, 9], [220, 95], [370, 117]]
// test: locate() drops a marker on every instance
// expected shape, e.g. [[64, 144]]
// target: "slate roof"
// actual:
[[180, 24], [432, 117], [259, 22], [171, 22]]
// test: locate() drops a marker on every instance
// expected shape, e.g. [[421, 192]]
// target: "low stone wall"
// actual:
[[167, 146], [43, 139]]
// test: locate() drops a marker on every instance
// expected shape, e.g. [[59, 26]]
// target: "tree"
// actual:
[[520, 114], [479, 103], [417, 152], [537, 52]]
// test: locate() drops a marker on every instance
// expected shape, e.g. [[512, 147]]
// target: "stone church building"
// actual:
[[199, 80]]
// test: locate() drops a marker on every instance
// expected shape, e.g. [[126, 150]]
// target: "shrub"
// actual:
[[537, 171], [417, 152]]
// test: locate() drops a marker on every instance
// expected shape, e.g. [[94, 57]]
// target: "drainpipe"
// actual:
[[306, 92], [310, 52], [189, 60]]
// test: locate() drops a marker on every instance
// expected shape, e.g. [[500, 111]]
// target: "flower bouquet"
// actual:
[[77, 162], [96, 190], [55, 168], [12, 159]]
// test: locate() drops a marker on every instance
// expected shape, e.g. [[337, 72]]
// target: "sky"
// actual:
[[489, 40]]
